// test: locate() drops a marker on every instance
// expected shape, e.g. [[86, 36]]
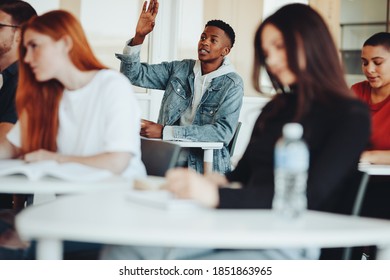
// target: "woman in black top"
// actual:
[[297, 50], [335, 134]]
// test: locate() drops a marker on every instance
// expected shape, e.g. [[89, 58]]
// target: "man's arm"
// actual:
[[142, 74]]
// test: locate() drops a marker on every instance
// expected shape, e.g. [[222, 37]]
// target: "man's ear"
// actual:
[[18, 36], [225, 51]]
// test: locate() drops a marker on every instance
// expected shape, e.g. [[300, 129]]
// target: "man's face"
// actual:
[[7, 34], [213, 45]]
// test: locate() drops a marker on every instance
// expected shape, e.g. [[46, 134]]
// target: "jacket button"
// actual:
[[178, 90]]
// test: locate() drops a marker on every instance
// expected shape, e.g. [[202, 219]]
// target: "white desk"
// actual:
[[208, 148], [375, 169], [46, 189], [82, 218], [19, 184]]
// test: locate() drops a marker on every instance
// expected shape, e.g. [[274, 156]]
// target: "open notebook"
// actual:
[[73, 172]]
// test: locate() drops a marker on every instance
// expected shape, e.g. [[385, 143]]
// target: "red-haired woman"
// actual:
[[71, 107]]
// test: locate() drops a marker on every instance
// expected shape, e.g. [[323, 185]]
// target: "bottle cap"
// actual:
[[292, 130]]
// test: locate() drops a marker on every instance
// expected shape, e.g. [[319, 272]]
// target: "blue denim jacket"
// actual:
[[216, 117]]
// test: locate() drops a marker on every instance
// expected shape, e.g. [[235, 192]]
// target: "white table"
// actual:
[[19, 184], [208, 148], [46, 189], [82, 218], [375, 169]]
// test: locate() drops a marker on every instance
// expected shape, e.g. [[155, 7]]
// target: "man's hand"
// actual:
[[150, 129], [146, 22]]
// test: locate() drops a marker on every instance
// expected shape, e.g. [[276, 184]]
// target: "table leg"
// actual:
[[360, 195], [357, 207], [49, 249], [208, 160]]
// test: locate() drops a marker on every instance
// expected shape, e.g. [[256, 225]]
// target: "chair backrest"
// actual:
[[158, 156], [232, 143]]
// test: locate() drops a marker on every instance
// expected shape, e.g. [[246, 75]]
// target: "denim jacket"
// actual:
[[216, 117]]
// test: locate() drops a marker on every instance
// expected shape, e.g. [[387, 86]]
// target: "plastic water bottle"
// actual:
[[290, 172]]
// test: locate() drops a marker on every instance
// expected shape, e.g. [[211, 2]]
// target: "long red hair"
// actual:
[[37, 103]]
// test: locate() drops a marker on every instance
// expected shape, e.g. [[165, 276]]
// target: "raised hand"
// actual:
[[146, 22]]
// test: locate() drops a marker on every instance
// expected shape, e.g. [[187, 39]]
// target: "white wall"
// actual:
[[178, 27], [42, 6]]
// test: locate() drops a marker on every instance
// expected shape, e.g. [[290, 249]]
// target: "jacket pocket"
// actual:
[[175, 96], [207, 112], [179, 89]]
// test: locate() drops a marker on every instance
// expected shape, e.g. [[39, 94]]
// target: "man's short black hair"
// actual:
[[225, 27], [20, 11]]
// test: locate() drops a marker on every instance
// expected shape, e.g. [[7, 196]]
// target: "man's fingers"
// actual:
[[155, 10], [144, 7], [151, 6], [142, 132]]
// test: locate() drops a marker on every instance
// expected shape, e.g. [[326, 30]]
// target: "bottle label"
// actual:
[[293, 157]]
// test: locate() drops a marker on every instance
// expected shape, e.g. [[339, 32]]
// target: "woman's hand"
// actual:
[[186, 183], [217, 179], [40, 155]]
